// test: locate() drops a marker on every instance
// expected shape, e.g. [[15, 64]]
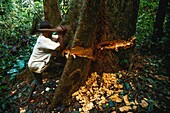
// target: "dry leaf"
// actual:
[[134, 107], [126, 100], [75, 94], [144, 104], [91, 92], [120, 86], [160, 77], [13, 92], [102, 101], [125, 108], [88, 107], [83, 89], [120, 90], [22, 110], [116, 98], [136, 102]]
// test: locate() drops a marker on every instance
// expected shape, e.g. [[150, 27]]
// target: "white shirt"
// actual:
[[41, 54]]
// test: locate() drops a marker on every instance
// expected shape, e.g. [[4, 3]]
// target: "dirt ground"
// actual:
[[145, 86]]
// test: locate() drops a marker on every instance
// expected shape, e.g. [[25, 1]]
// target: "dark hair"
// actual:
[[45, 25]]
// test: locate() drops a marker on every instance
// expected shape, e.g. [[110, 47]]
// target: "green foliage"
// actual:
[[145, 23], [64, 7], [16, 18], [15, 24]]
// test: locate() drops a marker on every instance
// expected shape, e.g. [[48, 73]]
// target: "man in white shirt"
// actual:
[[42, 52]]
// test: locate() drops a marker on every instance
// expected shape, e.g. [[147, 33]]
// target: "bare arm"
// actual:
[[60, 39], [61, 32]]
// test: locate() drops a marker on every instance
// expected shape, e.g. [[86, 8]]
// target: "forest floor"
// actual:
[[143, 89]]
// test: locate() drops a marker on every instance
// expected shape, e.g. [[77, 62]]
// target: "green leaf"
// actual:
[[152, 82], [127, 86], [3, 67], [3, 87], [121, 93], [11, 71], [75, 112], [150, 107], [104, 105], [13, 76], [111, 103], [20, 64]]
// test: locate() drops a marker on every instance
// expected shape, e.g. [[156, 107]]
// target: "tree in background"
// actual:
[[167, 43], [98, 27], [161, 31], [159, 22]]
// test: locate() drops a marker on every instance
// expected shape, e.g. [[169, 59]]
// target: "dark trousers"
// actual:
[[37, 78]]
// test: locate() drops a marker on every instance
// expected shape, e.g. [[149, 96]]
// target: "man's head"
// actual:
[[45, 25], [46, 28]]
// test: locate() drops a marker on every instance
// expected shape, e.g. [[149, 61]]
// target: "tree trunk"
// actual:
[[99, 23], [160, 17], [76, 69], [167, 43], [52, 12]]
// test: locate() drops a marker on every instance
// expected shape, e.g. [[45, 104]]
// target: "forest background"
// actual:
[[17, 18]]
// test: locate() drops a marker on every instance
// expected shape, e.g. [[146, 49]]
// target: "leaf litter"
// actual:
[[143, 89]]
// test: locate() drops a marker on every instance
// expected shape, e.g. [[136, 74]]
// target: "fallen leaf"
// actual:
[[126, 100], [144, 104], [47, 89], [125, 108]]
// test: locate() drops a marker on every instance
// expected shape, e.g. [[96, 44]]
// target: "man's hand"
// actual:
[[61, 30]]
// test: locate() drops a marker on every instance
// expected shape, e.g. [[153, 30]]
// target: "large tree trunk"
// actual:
[[76, 69], [99, 23], [160, 17], [52, 12]]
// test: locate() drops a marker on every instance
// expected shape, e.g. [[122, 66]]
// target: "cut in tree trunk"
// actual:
[[76, 69], [99, 23]]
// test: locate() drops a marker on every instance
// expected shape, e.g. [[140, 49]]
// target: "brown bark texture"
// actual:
[[52, 12], [95, 21]]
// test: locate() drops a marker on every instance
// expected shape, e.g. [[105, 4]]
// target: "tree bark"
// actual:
[[167, 43], [99, 21], [52, 12], [121, 18], [76, 69], [159, 22]]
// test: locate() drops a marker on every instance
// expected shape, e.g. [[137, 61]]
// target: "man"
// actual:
[[42, 52]]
